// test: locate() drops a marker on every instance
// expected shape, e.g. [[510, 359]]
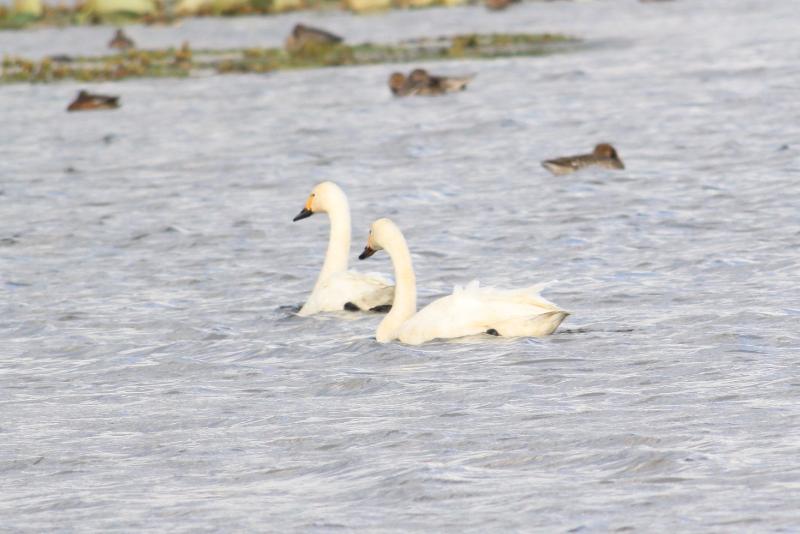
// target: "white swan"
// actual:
[[337, 288], [468, 311]]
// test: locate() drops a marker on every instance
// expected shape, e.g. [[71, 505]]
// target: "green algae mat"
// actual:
[[185, 61]]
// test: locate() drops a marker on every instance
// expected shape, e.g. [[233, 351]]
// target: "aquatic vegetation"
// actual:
[[31, 13], [183, 61]]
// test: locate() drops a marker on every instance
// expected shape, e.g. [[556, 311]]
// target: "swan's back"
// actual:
[[365, 291], [474, 310]]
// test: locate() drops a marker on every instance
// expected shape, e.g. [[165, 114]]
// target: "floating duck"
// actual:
[[497, 5], [183, 57], [419, 82], [86, 101], [400, 85], [121, 41], [438, 85], [303, 36], [604, 155]]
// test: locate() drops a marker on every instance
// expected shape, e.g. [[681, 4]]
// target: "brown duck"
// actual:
[[121, 41], [604, 155], [419, 82], [400, 85], [86, 102], [303, 36], [497, 5]]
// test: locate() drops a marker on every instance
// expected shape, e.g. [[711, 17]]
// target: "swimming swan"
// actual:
[[468, 311], [337, 288]]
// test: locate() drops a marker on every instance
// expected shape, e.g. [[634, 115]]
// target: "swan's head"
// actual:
[[321, 199], [381, 232]]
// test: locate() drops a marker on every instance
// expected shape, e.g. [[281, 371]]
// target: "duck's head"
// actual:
[[418, 76], [380, 232], [298, 30], [396, 82], [321, 199], [83, 95], [605, 150]]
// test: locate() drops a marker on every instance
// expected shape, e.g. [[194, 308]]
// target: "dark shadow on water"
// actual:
[[289, 310], [585, 330]]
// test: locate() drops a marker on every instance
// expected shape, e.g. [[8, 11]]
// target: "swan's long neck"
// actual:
[[405, 292], [339, 240]]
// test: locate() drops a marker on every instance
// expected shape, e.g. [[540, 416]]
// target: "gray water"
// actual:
[[153, 376]]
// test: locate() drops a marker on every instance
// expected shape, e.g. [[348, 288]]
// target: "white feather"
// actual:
[[363, 290], [475, 310]]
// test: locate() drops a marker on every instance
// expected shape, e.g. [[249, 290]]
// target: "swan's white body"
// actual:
[[475, 310], [468, 311], [336, 286], [332, 293]]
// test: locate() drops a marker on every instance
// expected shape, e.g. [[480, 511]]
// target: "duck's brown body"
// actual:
[[604, 155], [303, 36], [121, 41], [87, 102], [419, 82], [497, 5]]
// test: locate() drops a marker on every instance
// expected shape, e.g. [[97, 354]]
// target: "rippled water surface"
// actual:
[[153, 376]]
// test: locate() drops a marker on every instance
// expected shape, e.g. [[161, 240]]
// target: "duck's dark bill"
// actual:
[[303, 214], [366, 254]]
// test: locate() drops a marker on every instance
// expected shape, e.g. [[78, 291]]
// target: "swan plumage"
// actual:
[[338, 288], [364, 291], [467, 311], [478, 310]]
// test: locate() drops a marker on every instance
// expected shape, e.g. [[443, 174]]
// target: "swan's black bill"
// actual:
[[303, 214], [367, 253]]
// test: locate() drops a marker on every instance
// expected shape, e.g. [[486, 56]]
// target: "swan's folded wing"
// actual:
[[364, 290], [528, 295], [455, 315], [474, 310]]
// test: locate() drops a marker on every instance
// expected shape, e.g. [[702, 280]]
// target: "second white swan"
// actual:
[[468, 311], [337, 288]]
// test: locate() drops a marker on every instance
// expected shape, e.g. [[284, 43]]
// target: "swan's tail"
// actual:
[[533, 295], [541, 286], [540, 325]]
